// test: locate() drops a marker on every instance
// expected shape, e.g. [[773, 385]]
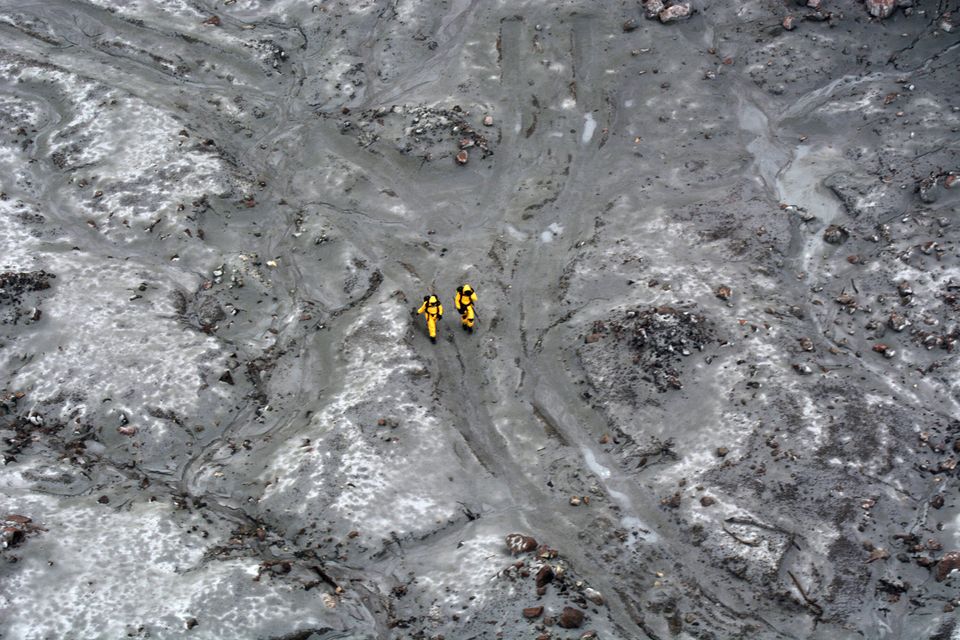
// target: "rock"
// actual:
[[544, 576], [462, 157], [672, 501], [574, 501], [652, 8], [802, 368], [674, 13], [213, 21], [593, 337], [127, 430], [519, 543], [630, 25], [571, 618], [878, 554], [806, 343], [947, 564], [488, 121], [707, 501], [835, 234], [190, 623], [897, 322], [929, 188], [722, 452], [593, 596], [532, 612], [880, 8], [604, 439], [588, 635], [723, 292], [227, 377], [13, 517], [11, 536], [789, 23], [103, 500]]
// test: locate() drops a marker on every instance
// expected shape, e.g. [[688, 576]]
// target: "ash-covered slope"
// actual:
[[713, 388]]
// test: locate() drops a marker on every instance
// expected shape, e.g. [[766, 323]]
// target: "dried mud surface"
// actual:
[[713, 390]]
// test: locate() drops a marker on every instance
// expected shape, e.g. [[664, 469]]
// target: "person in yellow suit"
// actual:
[[432, 311], [464, 301]]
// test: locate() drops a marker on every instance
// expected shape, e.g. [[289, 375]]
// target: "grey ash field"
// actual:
[[714, 386]]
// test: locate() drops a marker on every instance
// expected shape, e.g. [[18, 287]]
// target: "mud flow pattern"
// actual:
[[711, 390]]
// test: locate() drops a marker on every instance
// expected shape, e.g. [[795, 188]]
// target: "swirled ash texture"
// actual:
[[714, 373]]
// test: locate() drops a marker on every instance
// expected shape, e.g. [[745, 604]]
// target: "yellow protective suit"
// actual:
[[464, 301], [433, 311]]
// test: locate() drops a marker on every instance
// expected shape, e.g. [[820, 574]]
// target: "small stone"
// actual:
[[789, 23], [544, 576], [11, 537], [673, 13], [532, 612], [652, 8], [593, 596], [707, 501], [103, 500], [671, 501], [880, 8], [878, 554], [574, 501], [604, 439], [519, 543], [227, 377], [488, 121], [571, 618], [897, 322], [127, 430], [462, 157], [835, 234], [190, 623], [213, 21], [722, 452], [802, 368], [723, 292], [806, 344], [13, 517], [947, 564], [630, 25], [588, 635], [593, 337]]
